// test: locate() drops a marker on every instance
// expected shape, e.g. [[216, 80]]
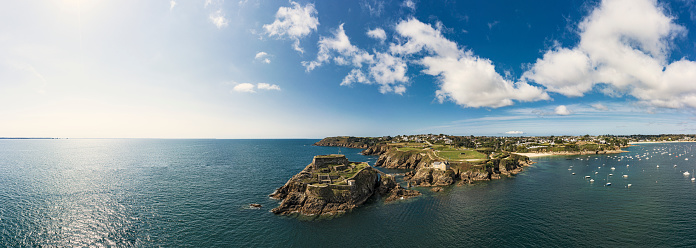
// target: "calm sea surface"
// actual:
[[195, 193]]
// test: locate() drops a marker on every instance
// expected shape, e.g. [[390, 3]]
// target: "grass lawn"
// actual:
[[460, 154]]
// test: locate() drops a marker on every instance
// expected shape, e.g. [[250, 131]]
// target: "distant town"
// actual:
[[520, 144]]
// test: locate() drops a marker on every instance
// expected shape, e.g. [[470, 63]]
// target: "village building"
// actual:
[[439, 165]]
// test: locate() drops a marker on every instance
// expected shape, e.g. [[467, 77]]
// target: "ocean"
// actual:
[[195, 193]]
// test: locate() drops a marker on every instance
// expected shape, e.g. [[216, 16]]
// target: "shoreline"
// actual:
[[546, 154], [659, 142]]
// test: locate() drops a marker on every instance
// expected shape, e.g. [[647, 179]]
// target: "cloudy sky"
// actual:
[[298, 69]]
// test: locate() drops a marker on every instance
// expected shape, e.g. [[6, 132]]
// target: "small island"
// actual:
[[333, 185]]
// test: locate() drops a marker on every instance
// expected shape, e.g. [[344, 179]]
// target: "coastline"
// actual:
[[545, 154], [659, 142]]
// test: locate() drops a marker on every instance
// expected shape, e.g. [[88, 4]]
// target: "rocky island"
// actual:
[[332, 185]]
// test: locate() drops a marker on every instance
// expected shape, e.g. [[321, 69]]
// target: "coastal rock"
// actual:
[[395, 159], [375, 150], [399, 193], [332, 185], [436, 189], [428, 177]]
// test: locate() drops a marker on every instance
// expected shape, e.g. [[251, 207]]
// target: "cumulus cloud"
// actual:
[[562, 110], [250, 88], [625, 45], [384, 69], [172, 3], [294, 23], [390, 73], [464, 78], [514, 132], [263, 57], [218, 18], [378, 34]]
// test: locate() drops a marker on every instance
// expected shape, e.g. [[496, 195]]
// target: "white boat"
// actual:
[[629, 185], [587, 176], [573, 173], [611, 175], [686, 173], [625, 176], [658, 166], [592, 180], [612, 168]]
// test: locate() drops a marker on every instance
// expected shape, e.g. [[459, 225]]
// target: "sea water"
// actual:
[[196, 193]]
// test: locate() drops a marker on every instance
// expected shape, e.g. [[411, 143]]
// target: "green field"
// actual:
[[454, 154]]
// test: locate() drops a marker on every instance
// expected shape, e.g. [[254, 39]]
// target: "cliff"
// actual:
[[331, 185], [350, 142], [429, 177], [392, 158]]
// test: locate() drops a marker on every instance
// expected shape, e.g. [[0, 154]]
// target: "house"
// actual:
[[441, 165]]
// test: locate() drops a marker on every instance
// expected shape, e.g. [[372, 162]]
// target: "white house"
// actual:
[[441, 165]]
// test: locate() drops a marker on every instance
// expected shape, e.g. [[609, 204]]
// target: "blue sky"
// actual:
[[300, 69]]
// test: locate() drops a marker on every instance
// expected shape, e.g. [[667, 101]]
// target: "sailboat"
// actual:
[[693, 179], [608, 183]]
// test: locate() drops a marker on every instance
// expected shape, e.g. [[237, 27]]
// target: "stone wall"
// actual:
[[324, 161]]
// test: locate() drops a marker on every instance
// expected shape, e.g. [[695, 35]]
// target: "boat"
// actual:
[[611, 175], [573, 173], [612, 168], [686, 173], [592, 180], [629, 185], [658, 166], [608, 184], [625, 176], [587, 176]]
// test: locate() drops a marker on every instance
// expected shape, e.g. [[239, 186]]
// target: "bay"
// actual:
[[195, 193]]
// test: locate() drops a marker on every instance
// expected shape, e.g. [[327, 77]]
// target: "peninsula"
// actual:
[[333, 185]]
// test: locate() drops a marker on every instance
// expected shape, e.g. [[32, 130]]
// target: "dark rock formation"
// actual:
[[395, 159], [428, 177], [332, 185], [350, 142]]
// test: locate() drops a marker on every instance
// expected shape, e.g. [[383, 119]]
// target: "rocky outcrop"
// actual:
[[376, 150], [350, 142], [309, 193], [399, 193], [428, 177], [395, 159]]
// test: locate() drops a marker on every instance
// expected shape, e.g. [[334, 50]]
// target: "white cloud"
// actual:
[[409, 4], [249, 88], [355, 75], [263, 57], [340, 50], [172, 3], [244, 87], [599, 106], [294, 23], [625, 45], [218, 18], [378, 34], [265, 86], [562, 110], [514, 132], [465, 79], [390, 73]]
